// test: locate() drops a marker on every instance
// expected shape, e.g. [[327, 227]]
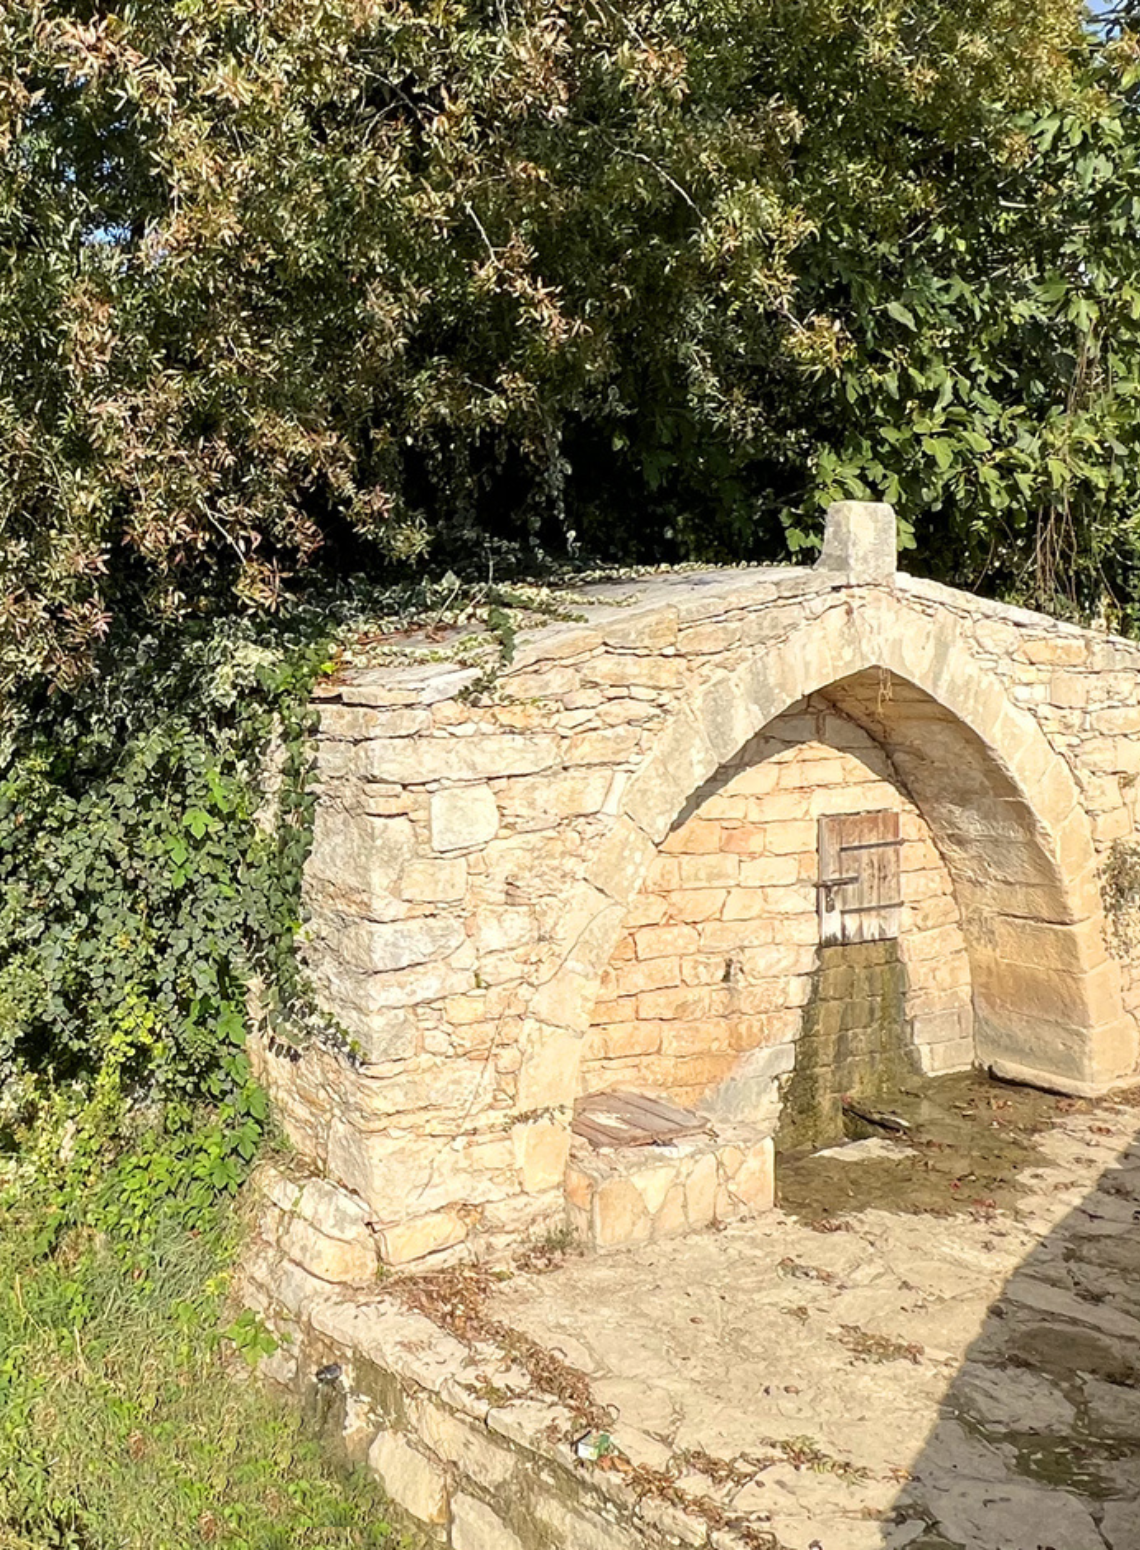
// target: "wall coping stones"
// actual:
[[859, 550]]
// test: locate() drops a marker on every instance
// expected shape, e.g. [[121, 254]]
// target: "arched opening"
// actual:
[[744, 983], [721, 990]]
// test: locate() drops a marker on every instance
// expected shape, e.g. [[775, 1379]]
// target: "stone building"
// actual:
[[739, 843]]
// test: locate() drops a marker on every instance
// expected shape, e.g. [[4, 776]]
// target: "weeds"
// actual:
[[867, 1347], [127, 1417]]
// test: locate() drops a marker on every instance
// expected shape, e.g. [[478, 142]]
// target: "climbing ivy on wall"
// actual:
[[154, 827], [146, 874]]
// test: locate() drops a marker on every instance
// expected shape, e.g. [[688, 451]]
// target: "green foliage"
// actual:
[[356, 285], [153, 830], [126, 1419], [1120, 888], [147, 878], [996, 397]]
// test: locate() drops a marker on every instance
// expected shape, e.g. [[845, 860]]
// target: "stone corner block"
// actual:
[[467, 816], [860, 542], [409, 1477], [474, 1526], [541, 1150], [404, 1242]]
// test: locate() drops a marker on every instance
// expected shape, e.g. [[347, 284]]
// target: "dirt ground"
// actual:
[[933, 1342]]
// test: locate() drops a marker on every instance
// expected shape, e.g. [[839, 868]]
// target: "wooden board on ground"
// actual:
[[632, 1119]]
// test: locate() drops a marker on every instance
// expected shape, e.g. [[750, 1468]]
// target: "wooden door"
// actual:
[[859, 879]]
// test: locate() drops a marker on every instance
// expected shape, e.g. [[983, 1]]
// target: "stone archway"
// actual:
[[1002, 804], [475, 859]]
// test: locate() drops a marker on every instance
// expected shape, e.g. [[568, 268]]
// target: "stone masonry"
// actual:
[[603, 872], [703, 996]]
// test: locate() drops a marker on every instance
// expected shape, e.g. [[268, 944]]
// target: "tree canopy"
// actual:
[[292, 286]]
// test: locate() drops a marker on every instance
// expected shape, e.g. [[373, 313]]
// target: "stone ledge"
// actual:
[[470, 1455]]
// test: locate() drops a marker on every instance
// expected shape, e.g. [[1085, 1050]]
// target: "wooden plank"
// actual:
[[659, 1115], [599, 1135], [830, 914], [602, 1135], [622, 1118]]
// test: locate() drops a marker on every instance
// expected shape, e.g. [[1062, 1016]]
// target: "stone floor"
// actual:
[[964, 1380]]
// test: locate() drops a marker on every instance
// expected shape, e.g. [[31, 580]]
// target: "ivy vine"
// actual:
[[1120, 888], [154, 828]]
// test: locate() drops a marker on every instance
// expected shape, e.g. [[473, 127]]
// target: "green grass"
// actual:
[[128, 1420]]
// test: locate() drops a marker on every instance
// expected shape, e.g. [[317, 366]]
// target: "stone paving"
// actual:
[[967, 1380]]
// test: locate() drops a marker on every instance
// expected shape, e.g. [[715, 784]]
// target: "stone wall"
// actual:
[[718, 954], [472, 1453], [475, 859]]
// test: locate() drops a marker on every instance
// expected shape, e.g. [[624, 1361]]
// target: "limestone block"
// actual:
[[409, 1477], [619, 1214], [439, 1085], [749, 1092], [1114, 1051], [679, 1526], [503, 929], [728, 716], [420, 982], [463, 818], [1069, 691], [382, 1036], [623, 975], [665, 941], [754, 1183], [720, 871], [544, 799], [354, 854], [474, 1526], [620, 860], [541, 1150], [654, 1183], [419, 760], [381, 946], [407, 1241], [548, 1077], [402, 1175], [542, 683], [579, 1187], [1115, 825], [952, 1055], [590, 922], [463, 1442], [700, 1191], [353, 723], [328, 1256], [654, 630], [1056, 651], [434, 882], [611, 746], [682, 760], [670, 1217], [335, 1211]]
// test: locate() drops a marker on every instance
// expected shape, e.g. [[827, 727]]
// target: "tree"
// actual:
[[363, 284]]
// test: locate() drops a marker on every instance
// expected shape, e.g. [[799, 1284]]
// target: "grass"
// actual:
[[129, 1422]]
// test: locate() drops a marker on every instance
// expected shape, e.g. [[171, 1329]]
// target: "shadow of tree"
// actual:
[[1037, 1444]]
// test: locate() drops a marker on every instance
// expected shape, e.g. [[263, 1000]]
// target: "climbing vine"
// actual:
[[1120, 888], [153, 832], [141, 886]]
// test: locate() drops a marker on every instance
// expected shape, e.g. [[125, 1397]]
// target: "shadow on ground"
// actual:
[[1037, 1444]]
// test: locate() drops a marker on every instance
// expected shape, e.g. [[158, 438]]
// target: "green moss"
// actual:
[[853, 1042]]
